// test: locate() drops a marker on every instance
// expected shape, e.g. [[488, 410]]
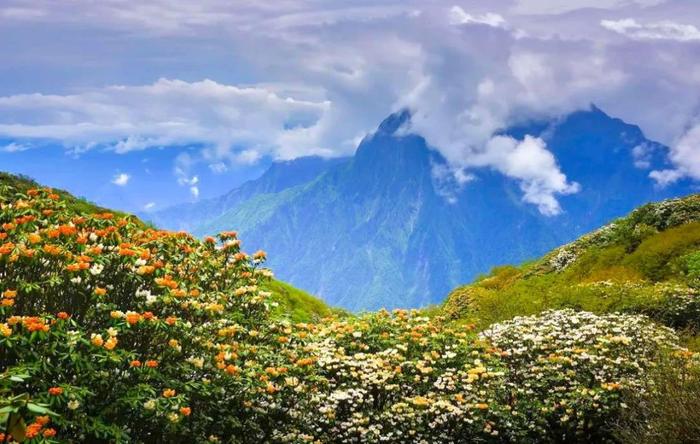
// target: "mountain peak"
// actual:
[[395, 121]]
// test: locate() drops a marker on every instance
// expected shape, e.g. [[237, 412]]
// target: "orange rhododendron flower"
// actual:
[[169, 393], [9, 294], [151, 363], [55, 391], [185, 411], [49, 433], [7, 248], [32, 430], [111, 343], [100, 291], [43, 420], [67, 230], [97, 340], [33, 323], [132, 317], [52, 249], [135, 363], [171, 320], [63, 315]]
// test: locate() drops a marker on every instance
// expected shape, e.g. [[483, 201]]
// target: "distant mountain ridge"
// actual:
[[376, 230], [278, 177]]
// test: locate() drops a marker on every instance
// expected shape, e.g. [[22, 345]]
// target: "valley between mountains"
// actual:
[[392, 227]]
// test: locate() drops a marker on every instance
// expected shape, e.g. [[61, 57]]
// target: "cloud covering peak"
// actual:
[[249, 80]]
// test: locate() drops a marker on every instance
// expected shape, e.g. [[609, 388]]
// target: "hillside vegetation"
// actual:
[[647, 263], [288, 301], [112, 331]]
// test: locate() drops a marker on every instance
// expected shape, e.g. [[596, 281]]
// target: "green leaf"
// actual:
[[35, 408]]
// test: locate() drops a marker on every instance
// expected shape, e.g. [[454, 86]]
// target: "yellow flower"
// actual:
[[421, 401], [111, 343], [5, 329], [96, 340]]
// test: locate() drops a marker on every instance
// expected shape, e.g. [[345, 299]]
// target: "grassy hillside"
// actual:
[[647, 262], [297, 305], [292, 303]]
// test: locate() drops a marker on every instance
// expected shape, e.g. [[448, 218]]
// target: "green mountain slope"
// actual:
[[647, 262], [294, 304]]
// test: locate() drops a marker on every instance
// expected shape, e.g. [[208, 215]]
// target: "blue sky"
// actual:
[[142, 104]]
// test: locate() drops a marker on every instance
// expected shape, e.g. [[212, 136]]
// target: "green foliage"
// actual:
[[692, 267], [667, 411], [645, 263], [10, 183], [296, 305]]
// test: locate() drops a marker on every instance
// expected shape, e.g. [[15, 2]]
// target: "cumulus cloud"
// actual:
[[536, 169], [665, 30], [121, 179], [685, 155]]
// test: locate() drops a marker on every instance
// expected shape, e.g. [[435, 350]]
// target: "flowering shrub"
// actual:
[[568, 368], [125, 332], [111, 331]]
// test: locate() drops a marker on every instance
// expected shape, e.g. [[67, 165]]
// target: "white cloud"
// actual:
[[14, 147], [642, 155], [218, 167], [685, 155], [666, 30], [149, 206], [666, 177], [121, 179], [323, 80], [167, 112], [183, 164], [536, 169], [459, 17]]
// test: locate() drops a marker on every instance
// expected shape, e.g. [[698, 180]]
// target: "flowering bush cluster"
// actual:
[[571, 367], [114, 332], [125, 332], [628, 231]]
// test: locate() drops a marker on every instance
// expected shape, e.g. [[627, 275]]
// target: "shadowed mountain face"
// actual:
[[383, 229]]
